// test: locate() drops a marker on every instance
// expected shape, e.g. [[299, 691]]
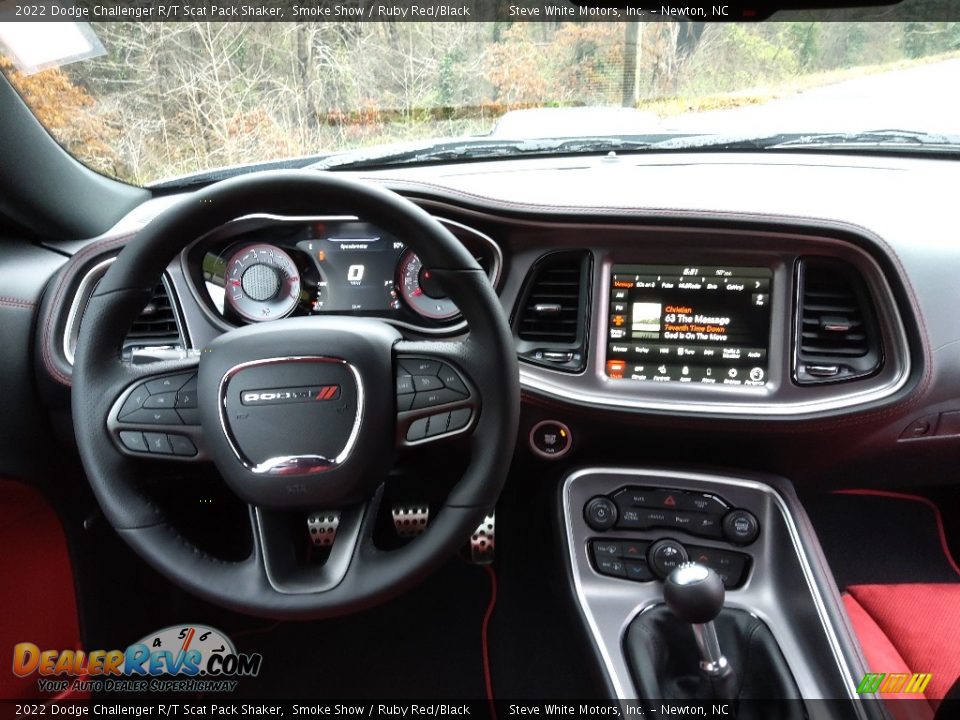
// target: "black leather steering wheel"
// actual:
[[298, 414]]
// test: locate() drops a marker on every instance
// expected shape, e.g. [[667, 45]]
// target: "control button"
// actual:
[[459, 419], [741, 527], [449, 377], [550, 439], [630, 518], [638, 571], [730, 566], [605, 548], [418, 429], [189, 416], [706, 526], [133, 440], [135, 401], [405, 402], [182, 446], [600, 513], [420, 366], [665, 556], [432, 398], [611, 566], [404, 384], [438, 424], [704, 504], [167, 384], [919, 428], [631, 550], [186, 397], [426, 382], [158, 443], [157, 416], [161, 400]]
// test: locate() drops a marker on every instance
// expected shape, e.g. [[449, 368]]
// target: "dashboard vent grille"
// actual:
[[837, 336], [158, 320], [551, 317]]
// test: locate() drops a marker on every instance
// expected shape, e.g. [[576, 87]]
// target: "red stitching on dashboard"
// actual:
[[73, 266], [484, 641], [941, 530]]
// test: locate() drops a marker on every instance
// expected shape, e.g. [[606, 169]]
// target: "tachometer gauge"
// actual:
[[421, 291], [262, 283]]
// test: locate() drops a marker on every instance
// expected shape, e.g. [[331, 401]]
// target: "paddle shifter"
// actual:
[[695, 594]]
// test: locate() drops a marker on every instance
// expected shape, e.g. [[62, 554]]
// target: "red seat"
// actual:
[[910, 628], [36, 593]]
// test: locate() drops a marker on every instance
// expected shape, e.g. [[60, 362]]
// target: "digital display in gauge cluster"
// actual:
[[340, 266], [708, 325]]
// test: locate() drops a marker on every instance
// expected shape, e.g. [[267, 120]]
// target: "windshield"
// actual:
[[165, 100]]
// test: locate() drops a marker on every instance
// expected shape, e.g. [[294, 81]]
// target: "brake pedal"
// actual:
[[322, 527], [410, 520], [482, 542]]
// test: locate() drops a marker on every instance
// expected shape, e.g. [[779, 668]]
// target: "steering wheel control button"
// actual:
[[438, 424], [451, 380], [423, 383], [741, 527], [135, 401], [189, 416], [182, 446], [158, 443], [168, 383], [433, 398], [187, 395], [600, 513], [665, 556], [404, 384], [153, 416], [133, 440], [418, 429], [550, 439], [161, 400], [459, 419], [421, 366]]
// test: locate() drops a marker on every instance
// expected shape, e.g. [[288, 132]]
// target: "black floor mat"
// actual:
[[872, 539]]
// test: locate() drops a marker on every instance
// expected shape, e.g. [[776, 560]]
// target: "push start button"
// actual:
[[550, 439]]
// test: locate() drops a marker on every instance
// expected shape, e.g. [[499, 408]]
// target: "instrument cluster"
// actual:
[[264, 268]]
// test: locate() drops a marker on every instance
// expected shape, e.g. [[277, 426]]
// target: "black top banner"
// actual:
[[474, 10]]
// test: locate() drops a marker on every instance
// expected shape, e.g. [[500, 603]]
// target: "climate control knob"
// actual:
[[665, 556]]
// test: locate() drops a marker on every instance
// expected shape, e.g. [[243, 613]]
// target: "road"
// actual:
[[923, 98]]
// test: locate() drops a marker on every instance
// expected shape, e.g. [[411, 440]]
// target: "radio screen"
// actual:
[[706, 325]]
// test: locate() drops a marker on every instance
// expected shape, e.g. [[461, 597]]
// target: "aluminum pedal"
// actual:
[[410, 520], [483, 540], [322, 527]]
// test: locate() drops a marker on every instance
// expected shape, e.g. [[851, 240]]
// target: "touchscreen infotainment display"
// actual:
[[690, 324]]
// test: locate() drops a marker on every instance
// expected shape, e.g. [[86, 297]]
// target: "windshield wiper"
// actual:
[[477, 149], [874, 139]]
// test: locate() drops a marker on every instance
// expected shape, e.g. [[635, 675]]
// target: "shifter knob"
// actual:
[[694, 593]]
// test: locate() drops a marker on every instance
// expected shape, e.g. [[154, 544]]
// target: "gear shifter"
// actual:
[[695, 594]]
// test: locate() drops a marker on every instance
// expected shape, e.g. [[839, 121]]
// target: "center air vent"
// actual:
[[551, 318], [836, 329]]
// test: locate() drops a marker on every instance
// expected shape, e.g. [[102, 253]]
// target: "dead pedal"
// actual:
[[482, 542], [410, 520], [322, 527]]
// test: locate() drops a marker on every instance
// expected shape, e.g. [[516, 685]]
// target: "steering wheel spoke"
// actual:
[[157, 415], [308, 552], [436, 398]]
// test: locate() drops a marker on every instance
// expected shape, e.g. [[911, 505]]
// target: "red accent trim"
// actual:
[[913, 498], [485, 647]]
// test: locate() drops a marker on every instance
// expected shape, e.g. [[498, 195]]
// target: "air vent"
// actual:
[[836, 333], [153, 333], [157, 324], [551, 318]]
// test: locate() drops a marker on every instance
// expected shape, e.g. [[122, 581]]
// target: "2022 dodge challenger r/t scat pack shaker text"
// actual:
[[602, 364]]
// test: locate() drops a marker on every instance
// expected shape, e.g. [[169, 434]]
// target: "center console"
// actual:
[[628, 530]]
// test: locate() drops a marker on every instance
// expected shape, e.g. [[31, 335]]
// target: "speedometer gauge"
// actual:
[[421, 291], [262, 283]]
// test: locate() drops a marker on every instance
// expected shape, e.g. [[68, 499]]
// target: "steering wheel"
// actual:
[[300, 414]]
